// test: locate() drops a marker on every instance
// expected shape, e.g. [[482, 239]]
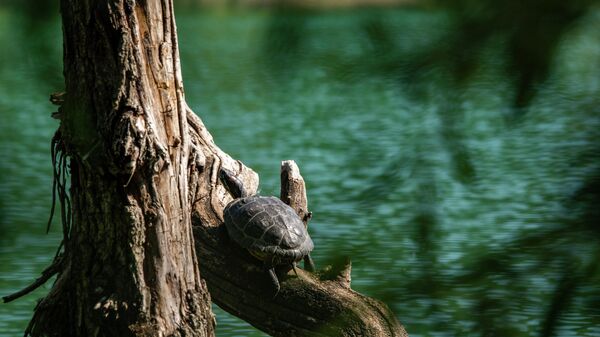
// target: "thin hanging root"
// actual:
[[54, 149], [59, 183], [54, 268], [65, 202]]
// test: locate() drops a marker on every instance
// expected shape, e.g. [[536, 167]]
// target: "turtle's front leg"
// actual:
[[274, 280], [309, 265]]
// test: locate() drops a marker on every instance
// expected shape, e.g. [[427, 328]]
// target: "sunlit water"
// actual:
[[467, 215]]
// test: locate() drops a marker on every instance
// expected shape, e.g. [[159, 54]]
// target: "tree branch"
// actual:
[[319, 304]]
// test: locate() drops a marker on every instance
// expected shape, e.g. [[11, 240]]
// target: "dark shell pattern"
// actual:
[[266, 226]]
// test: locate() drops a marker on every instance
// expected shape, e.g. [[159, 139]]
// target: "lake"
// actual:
[[452, 153]]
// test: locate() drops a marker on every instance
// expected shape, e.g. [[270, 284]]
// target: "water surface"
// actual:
[[462, 180]]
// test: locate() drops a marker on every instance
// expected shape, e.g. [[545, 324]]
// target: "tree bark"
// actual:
[[147, 203], [128, 267]]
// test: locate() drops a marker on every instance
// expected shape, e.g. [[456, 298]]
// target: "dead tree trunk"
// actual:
[[129, 266], [143, 169]]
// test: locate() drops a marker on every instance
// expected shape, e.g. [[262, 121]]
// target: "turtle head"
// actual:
[[232, 184]]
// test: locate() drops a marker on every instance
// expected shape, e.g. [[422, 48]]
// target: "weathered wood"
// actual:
[[293, 190], [305, 306], [321, 304]]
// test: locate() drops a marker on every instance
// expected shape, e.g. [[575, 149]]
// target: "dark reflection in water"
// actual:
[[529, 30], [450, 149], [33, 9], [532, 29], [283, 47]]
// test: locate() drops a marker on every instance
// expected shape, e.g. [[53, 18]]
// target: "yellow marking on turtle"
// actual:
[[258, 254]]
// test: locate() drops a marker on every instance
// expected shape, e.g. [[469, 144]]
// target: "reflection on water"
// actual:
[[453, 151]]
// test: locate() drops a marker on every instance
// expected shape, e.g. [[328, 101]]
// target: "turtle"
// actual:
[[267, 228]]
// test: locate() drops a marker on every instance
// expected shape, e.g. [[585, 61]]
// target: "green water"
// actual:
[[460, 169]]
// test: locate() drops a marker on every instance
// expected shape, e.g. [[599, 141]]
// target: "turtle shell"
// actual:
[[268, 228]]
